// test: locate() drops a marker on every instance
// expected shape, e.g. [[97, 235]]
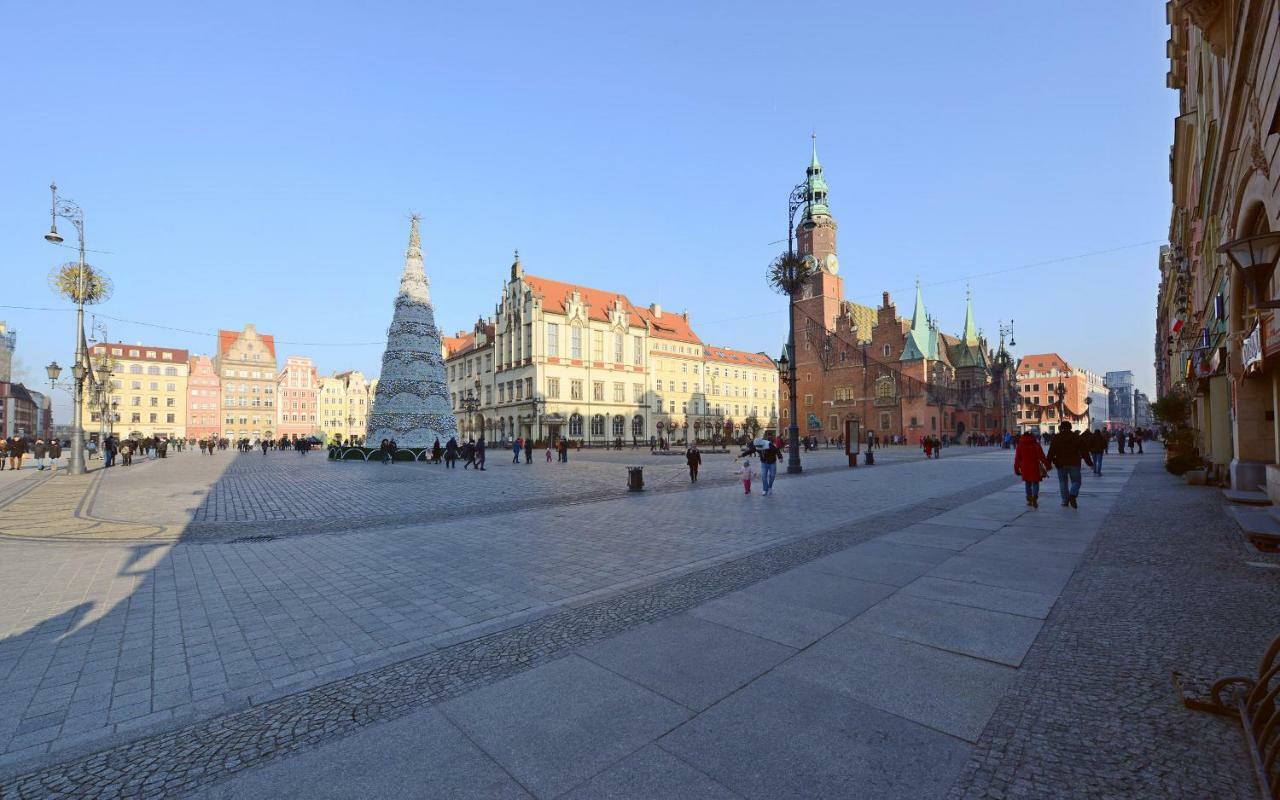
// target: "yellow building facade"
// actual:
[[148, 388]]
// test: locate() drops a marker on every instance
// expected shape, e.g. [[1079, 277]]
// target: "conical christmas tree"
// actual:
[[412, 402]]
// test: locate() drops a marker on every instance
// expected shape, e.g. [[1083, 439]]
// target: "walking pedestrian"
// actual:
[[693, 457], [17, 449], [481, 452], [468, 454], [528, 452], [384, 448], [55, 453], [4, 453], [436, 451], [745, 470], [451, 453], [515, 450], [1030, 464], [548, 452], [1065, 453], [38, 451], [770, 455]]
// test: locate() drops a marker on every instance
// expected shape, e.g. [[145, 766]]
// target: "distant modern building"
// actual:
[[1095, 387], [44, 413], [297, 395], [148, 386], [246, 365], [8, 343], [1142, 416], [1120, 399], [204, 399]]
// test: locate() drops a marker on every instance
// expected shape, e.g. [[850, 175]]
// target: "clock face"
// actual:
[[831, 263]]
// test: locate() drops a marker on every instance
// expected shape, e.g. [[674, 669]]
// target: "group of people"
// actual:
[[768, 451], [45, 453], [1067, 451]]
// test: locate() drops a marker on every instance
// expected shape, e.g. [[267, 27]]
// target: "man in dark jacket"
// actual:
[[1098, 447], [693, 457], [769, 458], [1065, 453]]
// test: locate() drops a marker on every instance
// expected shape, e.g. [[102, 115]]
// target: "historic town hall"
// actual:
[[897, 377]]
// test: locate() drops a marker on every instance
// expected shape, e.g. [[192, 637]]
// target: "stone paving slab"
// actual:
[[786, 623], [983, 634], [993, 598], [941, 690], [688, 660], [555, 727], [784, 737], [422, 755], [651, 772]]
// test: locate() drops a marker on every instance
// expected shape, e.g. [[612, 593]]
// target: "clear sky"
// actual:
[[256, 162]]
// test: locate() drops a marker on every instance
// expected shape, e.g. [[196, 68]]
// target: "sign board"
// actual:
[[1251, 351], [1270, 335], [852, 437]]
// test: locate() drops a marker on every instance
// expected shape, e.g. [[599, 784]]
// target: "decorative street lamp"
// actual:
[[470, 404], [537, 403], [83, 285], [1256, 256]]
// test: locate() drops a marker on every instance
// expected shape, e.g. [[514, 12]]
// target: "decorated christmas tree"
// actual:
[[412, 402]]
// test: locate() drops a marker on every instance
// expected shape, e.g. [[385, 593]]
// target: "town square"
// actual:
[[428, 402]]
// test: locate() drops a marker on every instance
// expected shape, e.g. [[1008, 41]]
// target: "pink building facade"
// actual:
[[297, 397], [203, 393]]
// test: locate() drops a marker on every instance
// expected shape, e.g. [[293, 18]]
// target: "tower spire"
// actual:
[[970, 335], [918, 337], [813, 163]]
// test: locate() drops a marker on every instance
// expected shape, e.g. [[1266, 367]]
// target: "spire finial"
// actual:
[[814, 136], [517, 254], [415, 239]]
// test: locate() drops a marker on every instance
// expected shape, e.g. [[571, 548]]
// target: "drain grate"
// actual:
[[264, 538]]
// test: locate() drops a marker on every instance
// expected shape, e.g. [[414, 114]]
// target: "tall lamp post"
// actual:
[[81, 285], [536, 403], [470, 404], [788, 274]]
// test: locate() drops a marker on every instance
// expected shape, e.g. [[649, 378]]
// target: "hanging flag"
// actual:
[[1176, 326]]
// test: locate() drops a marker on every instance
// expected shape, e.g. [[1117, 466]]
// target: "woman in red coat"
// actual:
[[1029, 462]]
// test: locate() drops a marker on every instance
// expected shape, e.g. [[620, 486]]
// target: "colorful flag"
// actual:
[[1176, 326]]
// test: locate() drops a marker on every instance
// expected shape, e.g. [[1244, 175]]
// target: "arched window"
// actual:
[[619, 426], [575, 425], [637, 426], [597, 425], [884, 387]]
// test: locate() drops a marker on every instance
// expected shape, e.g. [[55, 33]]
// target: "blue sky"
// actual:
[[255, 162]]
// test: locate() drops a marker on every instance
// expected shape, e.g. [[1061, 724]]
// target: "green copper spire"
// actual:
[[970, 335], [917, 346], [817, 186]]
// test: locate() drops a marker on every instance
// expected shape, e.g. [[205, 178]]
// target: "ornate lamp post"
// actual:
[[470, 404], [537, 403], [81, 284]]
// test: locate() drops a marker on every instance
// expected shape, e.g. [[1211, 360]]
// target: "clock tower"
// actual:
[[820, 300]]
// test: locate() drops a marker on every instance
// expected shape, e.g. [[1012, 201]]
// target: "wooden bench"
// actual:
[[1251, 701]]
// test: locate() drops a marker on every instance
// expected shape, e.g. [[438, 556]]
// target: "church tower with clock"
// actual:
[[820, 301]]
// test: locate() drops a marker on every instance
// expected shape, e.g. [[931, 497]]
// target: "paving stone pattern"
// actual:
[[103, 639], [186, 757], [230, 495], [1093, 713]]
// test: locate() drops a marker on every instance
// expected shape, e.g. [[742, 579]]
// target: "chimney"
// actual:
[[886, 299], [656, 310]]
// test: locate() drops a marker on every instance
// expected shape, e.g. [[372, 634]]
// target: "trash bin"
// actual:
[[871, 459], [635, 479]]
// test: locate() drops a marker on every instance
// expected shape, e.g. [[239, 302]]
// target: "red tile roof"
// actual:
[[729, 356], [456, 345], [669, 326], [555, 294], [228, 338]]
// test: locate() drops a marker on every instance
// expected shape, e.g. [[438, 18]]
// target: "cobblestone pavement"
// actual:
[[1166, 586], [230, 495], [110, 640]]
